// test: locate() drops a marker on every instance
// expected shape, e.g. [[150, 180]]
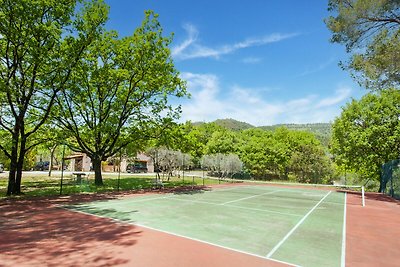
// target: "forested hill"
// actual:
[[233, 125], [321, 130], [317, 128]]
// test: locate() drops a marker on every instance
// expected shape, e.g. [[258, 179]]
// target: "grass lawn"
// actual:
[[39, 184]]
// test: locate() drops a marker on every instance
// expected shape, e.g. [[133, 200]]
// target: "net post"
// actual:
[[363, 196]]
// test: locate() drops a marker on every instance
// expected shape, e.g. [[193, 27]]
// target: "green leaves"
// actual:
[[366, 135], [265, 154], [120, 90], [370, 29]]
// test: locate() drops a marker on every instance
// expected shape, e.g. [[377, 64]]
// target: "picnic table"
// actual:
[[79, 176]]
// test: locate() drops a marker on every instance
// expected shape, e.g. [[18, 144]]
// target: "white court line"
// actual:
[[174, 234], [295, 227], [344, 232], [268, 211], [230, 188], [193, 201], [238, 207], [212, 244], [111, 203], [244, 198]]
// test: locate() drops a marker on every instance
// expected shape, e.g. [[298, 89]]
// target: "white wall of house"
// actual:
[[86, 163]]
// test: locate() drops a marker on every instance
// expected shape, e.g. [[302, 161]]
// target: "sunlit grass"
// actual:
[[42, 185]]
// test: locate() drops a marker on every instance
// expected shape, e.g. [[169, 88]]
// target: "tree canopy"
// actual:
[[119, 92], [279, 154], [367, 133], [40, 44], [370, 30]]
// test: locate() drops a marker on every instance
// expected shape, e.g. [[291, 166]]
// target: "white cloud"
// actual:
[[192, 37], [340, 95], [204, 103], [208, 103], [190, 48], [318, 68]]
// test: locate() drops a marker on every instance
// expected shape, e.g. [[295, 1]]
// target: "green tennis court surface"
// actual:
[[297, 226]]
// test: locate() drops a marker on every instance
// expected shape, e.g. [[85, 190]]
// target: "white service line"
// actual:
[[244, 198], [193, 201], [264, 210], [228, 188], [209, 243], [344, 232], [295, 227], [175, 234], [237, 207], [110, 203]]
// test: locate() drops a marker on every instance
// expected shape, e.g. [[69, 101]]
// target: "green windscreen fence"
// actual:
[[390, 178]]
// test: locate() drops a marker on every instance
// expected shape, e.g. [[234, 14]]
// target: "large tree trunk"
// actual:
[[13, 165], [20, 165], [98, 179], [18, 177], [11, 178]]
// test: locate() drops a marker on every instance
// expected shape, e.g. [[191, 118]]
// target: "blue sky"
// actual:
[[260, 61]]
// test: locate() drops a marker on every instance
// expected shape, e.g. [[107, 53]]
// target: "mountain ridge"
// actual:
[[321, 130]]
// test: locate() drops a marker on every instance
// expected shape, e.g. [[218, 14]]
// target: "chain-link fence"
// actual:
[[390, 178]]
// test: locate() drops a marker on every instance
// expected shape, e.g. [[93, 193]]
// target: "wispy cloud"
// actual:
[[191, 38], [318, 68], [191, 48], [251, 105], [340, 95]]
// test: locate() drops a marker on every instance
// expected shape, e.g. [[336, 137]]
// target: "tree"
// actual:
[[370, 29], [168, 160], [230, 165], [190, 141], [310, 164], [39, 45], [367, 133], [263, 154], [119, 92], [223, 141], [223, 165]]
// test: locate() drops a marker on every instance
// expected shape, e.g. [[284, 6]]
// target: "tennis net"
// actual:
[[246, 187]]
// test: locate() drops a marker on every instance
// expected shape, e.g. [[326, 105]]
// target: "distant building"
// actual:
[[81, 162]]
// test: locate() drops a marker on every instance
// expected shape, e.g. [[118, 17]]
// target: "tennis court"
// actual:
[[297, 226]]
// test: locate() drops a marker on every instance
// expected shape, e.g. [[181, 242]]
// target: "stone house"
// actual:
[[81, 162]]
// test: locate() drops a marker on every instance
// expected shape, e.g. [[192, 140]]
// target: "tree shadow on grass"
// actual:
[[36, 232]]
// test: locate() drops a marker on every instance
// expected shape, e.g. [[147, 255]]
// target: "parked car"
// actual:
[[136, 168], [41, 166], [1, 168]]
